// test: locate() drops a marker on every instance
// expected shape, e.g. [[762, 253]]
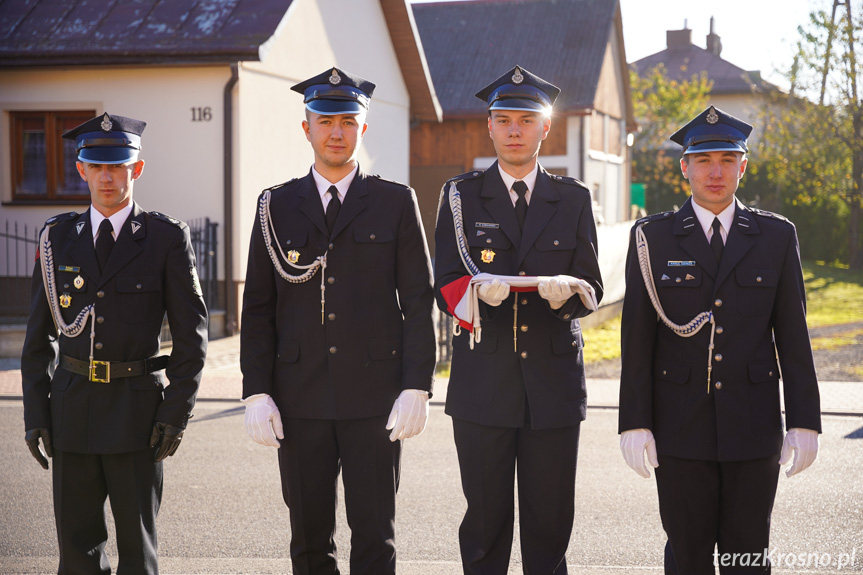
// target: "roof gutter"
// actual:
[[231, 307]]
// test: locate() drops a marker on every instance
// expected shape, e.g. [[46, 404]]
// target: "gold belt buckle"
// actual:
[[95, 364]]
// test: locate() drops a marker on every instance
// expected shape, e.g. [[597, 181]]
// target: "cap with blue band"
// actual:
[[336, 92], [713, 131], [107, 139], [520, 90]]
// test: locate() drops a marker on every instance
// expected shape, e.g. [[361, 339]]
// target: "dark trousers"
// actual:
[[707, 504], [82, 483], [545, 461], [310, 458]]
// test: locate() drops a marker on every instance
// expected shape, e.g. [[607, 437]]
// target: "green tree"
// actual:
[[812, 153], [661, 106]]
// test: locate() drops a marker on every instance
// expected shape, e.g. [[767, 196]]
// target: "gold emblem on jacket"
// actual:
[[293, 256], [487, 256], [65, 300]]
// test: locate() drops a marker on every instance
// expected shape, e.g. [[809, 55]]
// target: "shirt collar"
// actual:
[[705, 218], [117, 220], [529, 179], [342, 185]]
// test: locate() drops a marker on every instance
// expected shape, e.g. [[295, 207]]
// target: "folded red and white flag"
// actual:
[[462, 299]]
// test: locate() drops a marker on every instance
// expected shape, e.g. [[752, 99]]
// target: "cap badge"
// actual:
[[65, 300], [293, 256], [712, 116], [78, 282], [107, 125], [517, 78], [335, 78], [487, 256]]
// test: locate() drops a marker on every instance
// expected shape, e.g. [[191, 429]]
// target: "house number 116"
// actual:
[[202, 114]]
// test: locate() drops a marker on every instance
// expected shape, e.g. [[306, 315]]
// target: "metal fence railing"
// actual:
[[18, 251]]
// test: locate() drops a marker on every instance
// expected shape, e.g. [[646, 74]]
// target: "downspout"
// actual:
[[228, 164]]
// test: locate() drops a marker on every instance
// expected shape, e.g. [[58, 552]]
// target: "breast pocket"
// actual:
[[490, 250], [141, 298], [294, 247], [375, 247], [756, 290], [679, 290], [72, 290], [556, 247]]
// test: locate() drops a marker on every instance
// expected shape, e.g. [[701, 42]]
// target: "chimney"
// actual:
[[679, 39], [714, 45]]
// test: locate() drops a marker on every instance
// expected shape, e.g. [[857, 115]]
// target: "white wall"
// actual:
[[183, 170]]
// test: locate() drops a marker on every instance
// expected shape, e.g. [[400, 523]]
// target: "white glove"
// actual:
[[409, 414], [263, 421], [555, 290], [493, 292], [804, 444], [633, 444]]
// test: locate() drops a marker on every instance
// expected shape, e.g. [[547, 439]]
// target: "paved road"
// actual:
[[222, 510]]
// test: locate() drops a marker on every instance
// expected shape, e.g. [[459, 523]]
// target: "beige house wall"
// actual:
[[182, 175]]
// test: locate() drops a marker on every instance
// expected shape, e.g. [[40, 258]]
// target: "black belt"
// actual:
[[105, 371]]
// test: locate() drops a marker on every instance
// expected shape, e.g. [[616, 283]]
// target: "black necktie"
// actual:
[[716, 240], [520, 188], [332, 208], [104, 243]]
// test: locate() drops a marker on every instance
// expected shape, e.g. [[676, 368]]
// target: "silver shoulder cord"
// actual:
[[269, 232], [74, 329], [464, 253], [691, 328]]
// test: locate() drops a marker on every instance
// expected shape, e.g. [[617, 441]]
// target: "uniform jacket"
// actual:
[[151, 272], [759, 305], [488, 384], [377, 336]]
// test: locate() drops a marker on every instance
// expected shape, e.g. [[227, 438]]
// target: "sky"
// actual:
[[755, 34]]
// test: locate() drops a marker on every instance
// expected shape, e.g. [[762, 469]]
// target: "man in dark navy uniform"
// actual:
[[516, 391], [714, 296], [103, 282], [338, 345]]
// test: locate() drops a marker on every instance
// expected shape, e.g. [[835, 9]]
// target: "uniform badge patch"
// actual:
[[681, 264], [78, 282], [293, 256], [79, 226], [196, 283], [73, 269], [487, 225], [135, 227], [487, 256], [65, 300]]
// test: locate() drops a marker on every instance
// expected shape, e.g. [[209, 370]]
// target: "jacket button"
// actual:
[[333, 349], [521, 273], [331, 280], [574, 344], [98, 345], [100, 294], [138, 286], [524, 328], [100, 319], [330, 246], [664, 372], [556, 242], [372, 236], [718, 385], [770, 373], [719, 329], [524, 355], [758, 279], [718, 302], [677, 280], [287, 243], [566, 316], [488, 240], [524, 301], [718, 357], [65, 286], [331, 317], [395, 352]]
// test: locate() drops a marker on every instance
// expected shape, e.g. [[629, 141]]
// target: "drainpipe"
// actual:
[[228, 163]]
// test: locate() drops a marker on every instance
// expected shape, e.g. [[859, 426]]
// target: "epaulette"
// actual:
[[767, 214], [387, 181], [568, 180], [654, 217], [467, 175], [277, 186], [61, 218], [166, 218]]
